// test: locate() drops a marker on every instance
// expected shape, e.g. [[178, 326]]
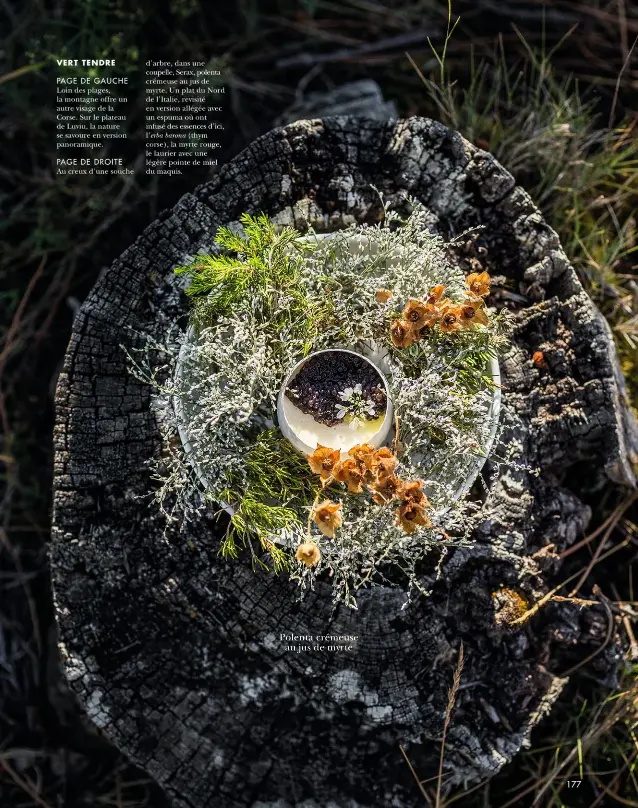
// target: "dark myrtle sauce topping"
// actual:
[[317, 386]]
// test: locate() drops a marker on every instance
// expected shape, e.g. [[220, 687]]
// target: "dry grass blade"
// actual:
[[15, 323], [448, 714], [14, 74], [414, 774], [389, 43], [612, 113], [595, 558], [629, 331], [607, 791], [626, 621], [602, 722], [14, 555], [24, 785], [602, 15], [612, 519], [604, 644], [551, 595], [633, 645]]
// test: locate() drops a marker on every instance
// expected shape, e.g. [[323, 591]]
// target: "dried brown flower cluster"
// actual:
[[420, 315], [374, 470]]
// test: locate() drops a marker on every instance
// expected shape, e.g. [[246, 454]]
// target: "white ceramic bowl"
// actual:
[[286, 408]]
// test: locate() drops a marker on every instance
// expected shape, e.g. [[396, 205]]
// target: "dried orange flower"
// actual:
[[308, 553], [327, 517], [433, 316], [363, 453], [383, 295], [412, 512], [411, 515], [450, 318], [419, 314], [436, 293], [479, 283], [402, 334], [323, 460], [412, 492], [472, 313], [353, 472], [386, 489], [383, 464]]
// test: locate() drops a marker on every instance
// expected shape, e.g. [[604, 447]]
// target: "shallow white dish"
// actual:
[[376, 357]]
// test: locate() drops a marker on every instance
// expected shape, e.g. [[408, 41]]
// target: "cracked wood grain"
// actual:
[[175, 654]]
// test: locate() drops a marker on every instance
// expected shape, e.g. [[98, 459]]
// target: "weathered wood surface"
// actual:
[[176, 654]]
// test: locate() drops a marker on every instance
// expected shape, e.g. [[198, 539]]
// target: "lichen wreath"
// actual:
[[335, 394]]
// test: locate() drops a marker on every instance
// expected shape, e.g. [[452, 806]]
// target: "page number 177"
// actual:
[[573, 783]]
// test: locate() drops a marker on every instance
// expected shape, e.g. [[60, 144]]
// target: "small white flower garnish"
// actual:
[[356, 405]]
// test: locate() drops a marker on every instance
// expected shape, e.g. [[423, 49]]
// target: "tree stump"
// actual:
[[178, 656]]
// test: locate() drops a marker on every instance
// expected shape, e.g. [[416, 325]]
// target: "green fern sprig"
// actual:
[[261, 262], [277, 478]]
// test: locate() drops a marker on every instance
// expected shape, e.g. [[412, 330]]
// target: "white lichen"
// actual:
[[220, 394]]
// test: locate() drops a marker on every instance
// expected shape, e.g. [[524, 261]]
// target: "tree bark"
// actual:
[[176, 654]]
